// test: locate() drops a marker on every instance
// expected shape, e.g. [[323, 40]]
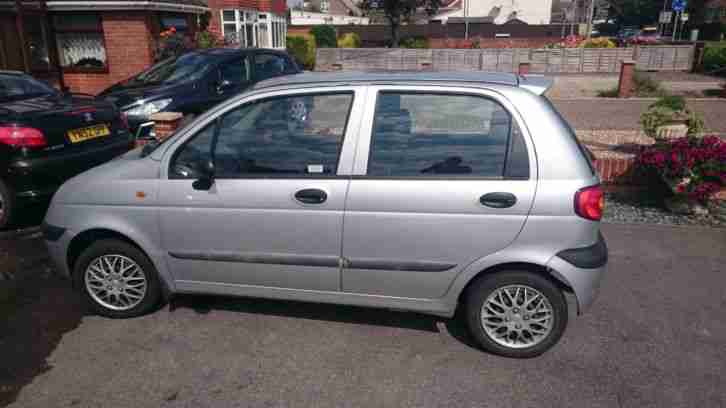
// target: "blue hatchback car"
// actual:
[[194, 82]]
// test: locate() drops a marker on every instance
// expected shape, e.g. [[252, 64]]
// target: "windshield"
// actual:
[[14, 87], [188, 67]]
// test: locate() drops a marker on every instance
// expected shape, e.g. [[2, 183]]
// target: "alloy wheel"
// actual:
[[517, 316], [115, 282]]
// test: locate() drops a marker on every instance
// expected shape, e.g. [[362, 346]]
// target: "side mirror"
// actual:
[[224, 86], [206, 176]]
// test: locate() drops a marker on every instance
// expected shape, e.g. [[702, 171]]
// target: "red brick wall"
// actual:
[[130, 44]]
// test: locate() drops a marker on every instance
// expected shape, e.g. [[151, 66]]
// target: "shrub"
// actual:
[[714, 58], [671, 109], [206, 39], [415, 42], [696, 168], [600, 42], [349, 40], [673, 102], [303, 50], [646, 86], [609, 93], [325, 36]]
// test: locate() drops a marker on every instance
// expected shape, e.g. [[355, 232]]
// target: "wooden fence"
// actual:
[[603, 60]]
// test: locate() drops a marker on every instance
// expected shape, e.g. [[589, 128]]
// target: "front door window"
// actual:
[[291, 136]]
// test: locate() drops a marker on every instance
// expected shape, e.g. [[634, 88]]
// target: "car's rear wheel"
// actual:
[[516, 314], [117, 279], [7, 205]]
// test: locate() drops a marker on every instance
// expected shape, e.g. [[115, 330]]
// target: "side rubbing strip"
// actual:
[[271, 259], [397, 265]]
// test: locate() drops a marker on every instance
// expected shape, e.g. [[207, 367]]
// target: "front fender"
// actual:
[[138, 224]]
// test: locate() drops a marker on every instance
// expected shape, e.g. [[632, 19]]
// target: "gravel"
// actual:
[[640, 209]]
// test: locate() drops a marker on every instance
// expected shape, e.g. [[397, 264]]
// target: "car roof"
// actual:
[[232, 52], [535, 83]]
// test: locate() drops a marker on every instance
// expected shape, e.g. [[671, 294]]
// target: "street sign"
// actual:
[[665, 17], [684, 17], [679, 5]]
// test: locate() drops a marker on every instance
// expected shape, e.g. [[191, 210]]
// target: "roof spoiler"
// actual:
[[536, 84]]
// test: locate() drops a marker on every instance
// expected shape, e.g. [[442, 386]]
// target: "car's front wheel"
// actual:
[[117, 279], [516, 313]]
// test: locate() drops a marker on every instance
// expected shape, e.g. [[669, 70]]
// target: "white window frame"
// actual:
[[262, 23]]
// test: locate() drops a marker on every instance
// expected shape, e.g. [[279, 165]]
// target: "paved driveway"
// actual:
[[656, 337]]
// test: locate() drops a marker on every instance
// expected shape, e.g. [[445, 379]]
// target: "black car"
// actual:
[[48, 136], [194, 82]]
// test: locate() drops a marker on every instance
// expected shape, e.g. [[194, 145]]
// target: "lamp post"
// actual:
[[466, 19], [590, 16]]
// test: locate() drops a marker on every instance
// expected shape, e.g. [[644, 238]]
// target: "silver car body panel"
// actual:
[[400, 244]]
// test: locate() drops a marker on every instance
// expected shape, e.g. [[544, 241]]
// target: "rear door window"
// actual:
[[428, 134], [270, 66]]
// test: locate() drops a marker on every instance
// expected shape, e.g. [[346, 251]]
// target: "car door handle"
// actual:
[[311, 196], [498, 200]]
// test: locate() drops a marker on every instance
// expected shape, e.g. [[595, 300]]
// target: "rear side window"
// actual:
[[426, 134], [271, 65]]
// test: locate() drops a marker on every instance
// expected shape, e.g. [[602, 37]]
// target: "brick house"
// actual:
[[250, 23], [88, 45]]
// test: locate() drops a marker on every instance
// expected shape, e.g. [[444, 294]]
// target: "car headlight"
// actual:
[[149, 108]]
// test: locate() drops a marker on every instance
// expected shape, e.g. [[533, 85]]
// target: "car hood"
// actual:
[[123, 94], [118, 182]]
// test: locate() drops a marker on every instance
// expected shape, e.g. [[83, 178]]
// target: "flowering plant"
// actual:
[[571, 41], [695, 168]]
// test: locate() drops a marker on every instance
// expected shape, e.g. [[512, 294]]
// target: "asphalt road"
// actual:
[[624, 114], [656, 337]]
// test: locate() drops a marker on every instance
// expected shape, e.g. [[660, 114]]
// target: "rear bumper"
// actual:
[[38, 179], [582, 269]]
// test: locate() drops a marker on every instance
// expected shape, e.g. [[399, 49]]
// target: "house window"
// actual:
[[178, 22], [324, 6], [80, 41], [248, 28]]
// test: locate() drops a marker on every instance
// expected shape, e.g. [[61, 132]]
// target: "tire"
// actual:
[[132, 301], [546, 327], [7, 205]]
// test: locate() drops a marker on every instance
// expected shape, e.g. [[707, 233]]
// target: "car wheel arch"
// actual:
[[86, 238], [515, 266]]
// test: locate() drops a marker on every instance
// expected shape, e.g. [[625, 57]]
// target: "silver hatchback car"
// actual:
[[429, 192]]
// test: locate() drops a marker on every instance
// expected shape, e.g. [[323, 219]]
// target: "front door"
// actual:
[[274, 215], [443, 181]]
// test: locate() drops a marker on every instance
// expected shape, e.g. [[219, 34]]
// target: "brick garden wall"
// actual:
[[130, 39]]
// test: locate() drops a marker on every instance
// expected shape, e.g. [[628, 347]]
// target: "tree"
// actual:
[[399, 11], [635, 12]]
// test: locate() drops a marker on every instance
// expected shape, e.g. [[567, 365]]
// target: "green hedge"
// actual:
[[714, 57], [303, 50], [325, 36]]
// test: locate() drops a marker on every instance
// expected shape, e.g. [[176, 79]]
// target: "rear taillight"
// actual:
[[18, 136], [590, 202], [125, 121]]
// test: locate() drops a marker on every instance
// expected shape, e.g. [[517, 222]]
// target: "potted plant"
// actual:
[[670, 117], [694, 168]]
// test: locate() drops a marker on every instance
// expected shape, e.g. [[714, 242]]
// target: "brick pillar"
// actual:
[[166, 123], [625, 85], [524, 67]]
